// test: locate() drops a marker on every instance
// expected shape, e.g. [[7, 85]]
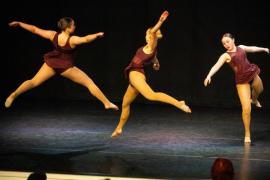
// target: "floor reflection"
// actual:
[[245, 166]]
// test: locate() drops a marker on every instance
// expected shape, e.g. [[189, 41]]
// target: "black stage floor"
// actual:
[[158, 141]]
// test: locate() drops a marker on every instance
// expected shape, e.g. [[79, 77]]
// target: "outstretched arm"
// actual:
[[254, 49], [152, 41], [162, 18], [47, 34], [222, 59], [76, 40]]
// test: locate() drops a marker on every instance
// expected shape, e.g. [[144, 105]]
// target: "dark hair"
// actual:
[[37, 176], [222, 169], [228, 35], [64, 23]]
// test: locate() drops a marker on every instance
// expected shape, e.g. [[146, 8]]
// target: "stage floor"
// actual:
[[158, 141]]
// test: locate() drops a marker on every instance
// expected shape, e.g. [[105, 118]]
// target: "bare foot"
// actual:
[[184, 107], [9, 100], [256, 103], [116, 133], [112, 106], [247, 140]]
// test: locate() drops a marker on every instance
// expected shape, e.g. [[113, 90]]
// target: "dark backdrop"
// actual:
[[190, 47]]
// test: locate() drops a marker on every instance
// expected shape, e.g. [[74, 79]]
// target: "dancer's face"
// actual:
[[228, 43]]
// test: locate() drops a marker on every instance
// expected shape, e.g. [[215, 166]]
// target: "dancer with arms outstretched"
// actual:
[[60, 60], [248, 82]]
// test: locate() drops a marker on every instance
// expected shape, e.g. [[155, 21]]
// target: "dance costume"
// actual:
[[61, 58], [139, 61], [243, 69]]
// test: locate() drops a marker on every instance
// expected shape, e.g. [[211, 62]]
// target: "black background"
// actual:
[[190, 47]]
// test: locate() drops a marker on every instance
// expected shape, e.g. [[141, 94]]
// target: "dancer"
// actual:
[[60, 60], [137, 80], [248, 83]]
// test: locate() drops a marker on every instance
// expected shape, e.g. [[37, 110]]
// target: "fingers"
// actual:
[[164, 16], [13, 23], [101, 34], [156, 66], [206, 82]]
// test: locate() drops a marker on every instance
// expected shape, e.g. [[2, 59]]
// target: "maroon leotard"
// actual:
[[61, 58], [244, 70], [139, 61]]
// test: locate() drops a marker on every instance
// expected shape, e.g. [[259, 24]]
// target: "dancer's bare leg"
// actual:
[[44, 73], [129, 97], [244, 95], [138, 80], [78, 76], [257, 89]]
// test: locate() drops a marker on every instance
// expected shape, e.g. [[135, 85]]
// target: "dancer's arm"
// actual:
[[252, 49], [162, 18], [76, 40], [152, 41], [222, 59], [47, 34]]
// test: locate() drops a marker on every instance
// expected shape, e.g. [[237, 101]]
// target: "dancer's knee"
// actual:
[[258, 88], [246, 110], [151, 96], [127, 100], [125, 105]]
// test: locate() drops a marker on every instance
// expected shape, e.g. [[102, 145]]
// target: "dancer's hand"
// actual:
[[207, 81], [14, 24], [164, 16], [156, 66], [267, 50], [100, 34]]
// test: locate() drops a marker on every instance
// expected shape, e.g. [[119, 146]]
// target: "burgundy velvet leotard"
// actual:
[[139, 61], [243, 69], [61, 58]]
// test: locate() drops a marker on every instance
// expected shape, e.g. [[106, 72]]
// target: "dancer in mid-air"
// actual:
[[60, 60], [144, 56], [248, 83]]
